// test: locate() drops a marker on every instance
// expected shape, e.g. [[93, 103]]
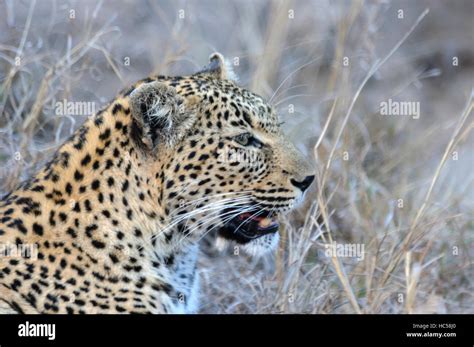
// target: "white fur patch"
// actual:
[[193, 300], [221, 243], [160, 113], [255, 248], [261, 246]]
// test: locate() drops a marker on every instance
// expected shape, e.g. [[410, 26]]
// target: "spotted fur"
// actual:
[[103, 213]]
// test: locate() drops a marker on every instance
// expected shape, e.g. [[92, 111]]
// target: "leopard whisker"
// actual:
[[229, 216], [211, 208]]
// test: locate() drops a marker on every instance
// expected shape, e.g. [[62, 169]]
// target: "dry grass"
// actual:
[[418, 253]]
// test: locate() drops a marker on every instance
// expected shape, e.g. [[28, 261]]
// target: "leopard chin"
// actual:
[[256, 248]]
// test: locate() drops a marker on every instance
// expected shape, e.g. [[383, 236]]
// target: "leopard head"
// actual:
[[220, 156]]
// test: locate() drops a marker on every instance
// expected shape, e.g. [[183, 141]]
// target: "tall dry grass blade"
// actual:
[[335, 261], [410, 235]]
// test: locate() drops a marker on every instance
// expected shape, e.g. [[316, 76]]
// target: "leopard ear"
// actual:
[[219, 68], [159, 115]]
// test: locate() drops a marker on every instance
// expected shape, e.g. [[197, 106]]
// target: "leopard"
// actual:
[[113, 221]]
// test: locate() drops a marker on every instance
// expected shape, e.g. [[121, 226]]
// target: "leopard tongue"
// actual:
[[264, 222]]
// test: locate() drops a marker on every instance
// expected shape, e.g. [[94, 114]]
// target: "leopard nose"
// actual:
[[304, 184]]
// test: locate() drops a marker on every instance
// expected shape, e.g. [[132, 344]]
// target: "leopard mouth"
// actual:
[[248, 226]]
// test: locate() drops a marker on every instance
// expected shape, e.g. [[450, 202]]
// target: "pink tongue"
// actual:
[[263, 222], [266, 222]]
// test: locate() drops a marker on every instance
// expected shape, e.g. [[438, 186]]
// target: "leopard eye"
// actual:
[[247, 139]]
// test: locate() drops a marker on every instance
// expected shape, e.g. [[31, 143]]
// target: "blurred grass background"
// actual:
[[309, 58]]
